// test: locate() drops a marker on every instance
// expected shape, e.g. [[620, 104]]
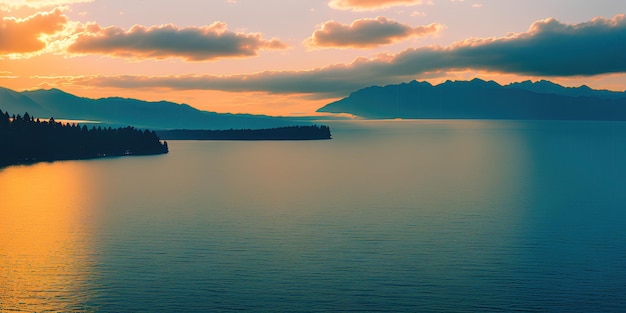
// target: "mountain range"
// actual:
[[475, 99], [117, 111], [479, 99]]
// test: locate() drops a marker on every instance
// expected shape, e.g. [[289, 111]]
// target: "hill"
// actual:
[[117, 111], [479, 99]]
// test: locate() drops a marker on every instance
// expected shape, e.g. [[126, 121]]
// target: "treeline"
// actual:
[[312, 132], [24, 139]]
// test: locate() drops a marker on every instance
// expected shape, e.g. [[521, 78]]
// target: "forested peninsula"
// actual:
[[24, 139], [309, 132]]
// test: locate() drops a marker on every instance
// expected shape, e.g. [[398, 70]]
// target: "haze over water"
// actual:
[[420, 216]]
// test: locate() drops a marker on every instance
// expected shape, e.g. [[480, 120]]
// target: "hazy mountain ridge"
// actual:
[[126, 111], [548, 87], [479, 99]]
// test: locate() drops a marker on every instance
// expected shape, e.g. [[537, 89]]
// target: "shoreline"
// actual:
[[6, 164]]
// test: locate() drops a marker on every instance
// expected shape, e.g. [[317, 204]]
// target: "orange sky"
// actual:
[[281, 57]]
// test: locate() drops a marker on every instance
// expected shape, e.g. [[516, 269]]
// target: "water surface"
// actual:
[[416, 216]]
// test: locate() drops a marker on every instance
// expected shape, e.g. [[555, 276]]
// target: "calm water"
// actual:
[[432, 216]]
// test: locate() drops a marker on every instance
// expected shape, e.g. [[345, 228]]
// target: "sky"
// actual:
[[291, 57]]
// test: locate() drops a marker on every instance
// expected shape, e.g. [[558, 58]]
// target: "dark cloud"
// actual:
[[168, 41], [363, 5], [24, 35], [366, 33], [549, 48], [333, 80]]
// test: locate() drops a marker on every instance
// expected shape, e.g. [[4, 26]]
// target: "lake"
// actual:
[[397, 216]]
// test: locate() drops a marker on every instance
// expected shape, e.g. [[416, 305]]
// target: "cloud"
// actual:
[[417, 13], [168, 41], [548, 48], [38, 4], [366, 33], [370, 5], [329, 80], [25, 35], [7, 75]]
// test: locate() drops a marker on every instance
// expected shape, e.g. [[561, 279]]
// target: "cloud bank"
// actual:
[[366, 33], [370, 5], [24, 35], [204, 43], [548, 48]]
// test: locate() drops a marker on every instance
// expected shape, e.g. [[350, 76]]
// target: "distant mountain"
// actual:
[[123, 112], [479, 99], [548, 87], [12, 101]]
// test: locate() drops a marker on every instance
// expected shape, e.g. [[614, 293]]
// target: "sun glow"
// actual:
[[42, 234]]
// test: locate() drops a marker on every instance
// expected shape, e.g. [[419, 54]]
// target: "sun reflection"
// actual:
[[44, 237]]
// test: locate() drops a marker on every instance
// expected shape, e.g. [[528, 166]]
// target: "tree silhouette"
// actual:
[[24, 139], [309, 132]]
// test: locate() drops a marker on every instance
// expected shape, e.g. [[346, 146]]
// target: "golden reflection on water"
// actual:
[[44, 237]]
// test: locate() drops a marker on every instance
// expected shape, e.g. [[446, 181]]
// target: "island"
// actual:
[[25, 139], [308, 132]]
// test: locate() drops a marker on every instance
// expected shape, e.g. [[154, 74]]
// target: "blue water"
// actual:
[[413, 216]]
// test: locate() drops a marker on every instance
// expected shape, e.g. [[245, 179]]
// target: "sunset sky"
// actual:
[[290, 57]]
